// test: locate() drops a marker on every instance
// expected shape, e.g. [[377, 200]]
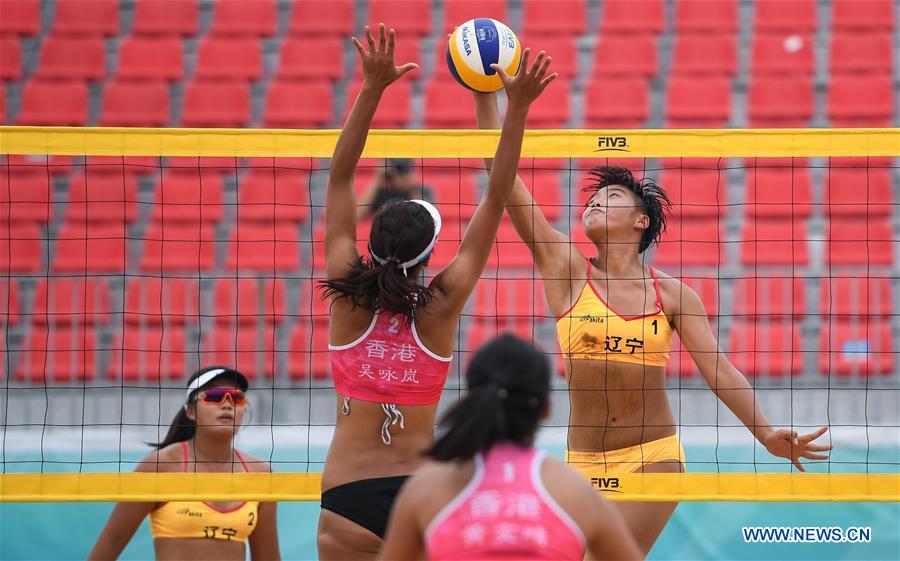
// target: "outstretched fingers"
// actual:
[[392, 41], [358, 45], [382, 37]]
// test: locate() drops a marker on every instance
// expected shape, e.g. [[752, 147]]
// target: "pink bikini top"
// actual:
[[505, 512], [388, 364]]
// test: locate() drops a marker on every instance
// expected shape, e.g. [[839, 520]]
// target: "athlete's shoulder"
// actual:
[[673, 291], [165, 459], [255, 464]]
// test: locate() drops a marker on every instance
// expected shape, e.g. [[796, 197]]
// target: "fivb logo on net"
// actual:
[[612, 144]]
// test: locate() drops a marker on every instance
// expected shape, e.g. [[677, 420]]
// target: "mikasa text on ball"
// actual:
[[477, 44]]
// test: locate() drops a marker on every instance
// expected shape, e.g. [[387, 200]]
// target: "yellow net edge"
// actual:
[[643, 143], [305, 486]]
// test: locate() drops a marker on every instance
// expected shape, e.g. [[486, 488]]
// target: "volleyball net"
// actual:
[[131, 257]]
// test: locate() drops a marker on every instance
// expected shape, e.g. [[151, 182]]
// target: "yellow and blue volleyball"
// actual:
[[477, 44]]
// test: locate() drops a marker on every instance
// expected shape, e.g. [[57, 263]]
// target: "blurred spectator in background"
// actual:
[[393, 181]]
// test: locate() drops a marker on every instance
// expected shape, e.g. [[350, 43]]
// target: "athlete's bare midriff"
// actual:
[[184, 549], [357, 451], [616, 405]]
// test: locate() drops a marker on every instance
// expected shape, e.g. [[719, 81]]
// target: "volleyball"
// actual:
[[477, 44]]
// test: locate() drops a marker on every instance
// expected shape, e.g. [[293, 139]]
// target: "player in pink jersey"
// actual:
[[489, 494], [391, 337]]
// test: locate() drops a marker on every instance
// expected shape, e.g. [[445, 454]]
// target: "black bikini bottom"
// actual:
[[366, 502]]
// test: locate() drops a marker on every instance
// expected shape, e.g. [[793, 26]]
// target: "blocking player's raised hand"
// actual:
[[378, 66]]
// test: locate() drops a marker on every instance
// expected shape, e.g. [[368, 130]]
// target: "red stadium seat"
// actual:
[[242, 346], [782, 53], [858, 192], [148, 355], [309, 357], [561, 49], [68, 301], [323, 17], [859, 241], [263, 247], [770, 297], [457, 12], [72, 58], [11, 55], [455, 192], [775, 242], [28, 163], [130, 165], [274, 194], [448, 106], [162, 301], [88, 246], [781, 101], [9, 296], [786, 15], [854, 53], [551, 110], [21, 17], [395, 109], [229, 58], [296, 61], [20, 247], [185, 195], [696, 192], [313, 305], [778, 193], [166, 17], [86, 17], [554, 17], [304, 104], [705, 16], [693, 242], [54, 103], [766, 348], [705, 54], [58, 354], [633, 16], [693, 102], [860, 101], [510, 252], [151, 58], [246, 299], [847, 297], [858, 347], [26, 195], [135, 104], [634, 55], [707, 288], [178, 247], [529, 304], [862, 15], [607, 107], [245, 17], [545, 187], [216, 104], [102, 197], [409, 17]]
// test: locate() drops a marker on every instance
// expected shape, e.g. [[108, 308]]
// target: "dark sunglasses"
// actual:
[[218, 395]]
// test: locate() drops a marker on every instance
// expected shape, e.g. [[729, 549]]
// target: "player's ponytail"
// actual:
[[182, 429], [509, 385], [387, 280]]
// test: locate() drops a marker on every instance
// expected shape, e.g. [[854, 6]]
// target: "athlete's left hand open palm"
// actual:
[[788, 444]]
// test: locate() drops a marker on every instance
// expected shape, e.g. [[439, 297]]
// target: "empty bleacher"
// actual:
[[178, 246]]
